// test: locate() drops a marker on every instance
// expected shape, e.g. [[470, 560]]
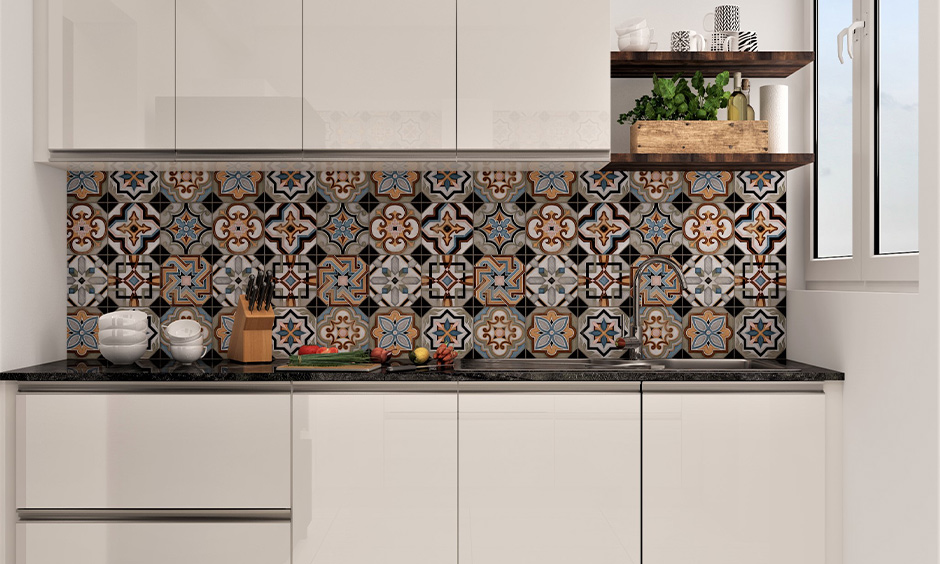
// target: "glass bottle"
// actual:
[[746, 90], [737, 104]]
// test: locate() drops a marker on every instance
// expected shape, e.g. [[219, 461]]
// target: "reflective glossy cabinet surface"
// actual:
[[238, 75], [110, 74], [733, 478], [380, 75]]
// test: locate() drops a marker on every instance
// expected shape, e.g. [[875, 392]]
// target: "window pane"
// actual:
[[834, 133], [897, 131]]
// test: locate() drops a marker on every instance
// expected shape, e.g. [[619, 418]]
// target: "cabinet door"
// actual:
[[533, 74], [375, 478], [238, 74], [119, 451], [110, 74], [153, 543], [733, 478], [549, 478], [380, 75]]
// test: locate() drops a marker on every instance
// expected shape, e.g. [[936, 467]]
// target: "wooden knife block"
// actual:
[[251, 339]]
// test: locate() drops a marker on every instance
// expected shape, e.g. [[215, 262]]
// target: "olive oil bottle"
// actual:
[[737, 104]]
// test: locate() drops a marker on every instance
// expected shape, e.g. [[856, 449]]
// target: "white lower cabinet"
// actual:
[[375, 478], [549, 478], [153, 543], [733, 478]]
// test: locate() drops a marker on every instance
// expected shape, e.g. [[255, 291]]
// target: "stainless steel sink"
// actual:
[[616, 364]]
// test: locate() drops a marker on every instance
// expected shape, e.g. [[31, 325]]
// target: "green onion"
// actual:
[[330, 359]]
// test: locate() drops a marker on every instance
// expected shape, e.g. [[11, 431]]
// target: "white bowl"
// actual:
[[123, 316], [123, 354], [185, 332], [639, 40], [122, 323], [188, 353], [632, 24], [121, 336]]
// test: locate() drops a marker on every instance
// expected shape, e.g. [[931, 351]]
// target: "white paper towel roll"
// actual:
[[773, 108]]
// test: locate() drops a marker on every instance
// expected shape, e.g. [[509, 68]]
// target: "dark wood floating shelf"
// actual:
[[708, 161], [761, 64]]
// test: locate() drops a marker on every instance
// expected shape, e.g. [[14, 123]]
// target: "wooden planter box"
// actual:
[[699, 137]]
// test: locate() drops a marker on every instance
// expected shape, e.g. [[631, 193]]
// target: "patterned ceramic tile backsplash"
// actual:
[[500, 264]]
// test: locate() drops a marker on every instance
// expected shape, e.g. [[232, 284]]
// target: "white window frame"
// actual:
[[864, 265]]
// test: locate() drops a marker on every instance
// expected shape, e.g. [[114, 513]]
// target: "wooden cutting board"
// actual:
[[343, 368]]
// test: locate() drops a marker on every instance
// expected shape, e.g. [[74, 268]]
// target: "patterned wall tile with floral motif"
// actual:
[[498, 264]]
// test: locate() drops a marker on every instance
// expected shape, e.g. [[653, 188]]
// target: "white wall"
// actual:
[[32, 211]]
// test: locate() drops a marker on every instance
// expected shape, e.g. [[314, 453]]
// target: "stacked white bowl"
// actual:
[[122, 335], [635, 35], [186, 340]]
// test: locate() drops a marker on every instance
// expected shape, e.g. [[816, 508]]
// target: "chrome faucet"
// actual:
[[635, 342]]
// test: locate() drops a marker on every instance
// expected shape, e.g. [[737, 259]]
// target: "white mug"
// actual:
[[685, 40], [185, 354], [719, 41], [725, 18]]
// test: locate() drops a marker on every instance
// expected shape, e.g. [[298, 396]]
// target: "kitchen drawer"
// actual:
[[153, 543], [153, 450]]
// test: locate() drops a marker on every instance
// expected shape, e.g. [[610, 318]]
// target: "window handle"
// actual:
[[844, 34]]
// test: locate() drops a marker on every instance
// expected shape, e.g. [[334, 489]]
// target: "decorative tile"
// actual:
[[499, 332], [709, 185], [85, 186], [395, 330], [290, 185], [551, 280], [447, 186], [760, 280], [86, 280], [603, 186], [295, 280], [708, 332], [293, 328], [395, 229], [186, 281], [551, 229], [134, 229], [654, 187], [447, 228], [447, 280], [499, 229], [657, 228], [709, 279], [86, 229], [760, 185], [238, 229], [222, 325], [134, 280], [230, 277], [499, 186], [604, 229], [290, 228], [343, 280], [451, 326], [341, 186], [197, 314], [186, 229], [395, 186], [604, 281], [345, 328], [239, 185], [708, 229], [186, 187], [81, 325], [661, 330], [133, 185], [395, 281], [550, 332], [343, 229], [552, 186], [760, 228], [760, 332], [499, 280], [599, 329], [658, 284]]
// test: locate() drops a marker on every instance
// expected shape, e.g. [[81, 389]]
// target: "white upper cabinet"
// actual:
[[733, 478], [238, 74], [380, 74], [109, 74], [533, 75]]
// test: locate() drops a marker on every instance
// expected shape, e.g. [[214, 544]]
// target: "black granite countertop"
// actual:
[[228, 371]]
